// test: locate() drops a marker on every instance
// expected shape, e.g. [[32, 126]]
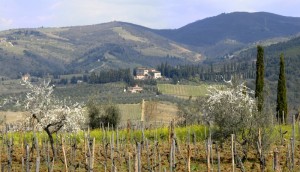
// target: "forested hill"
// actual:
[[242, 27], [291, 51], [226, 33]]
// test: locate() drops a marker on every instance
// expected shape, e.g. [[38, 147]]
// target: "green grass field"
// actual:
[[130, 111], [155, 111], [183, 90]]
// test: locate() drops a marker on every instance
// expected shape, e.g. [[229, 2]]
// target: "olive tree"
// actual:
[[111, 116], [106, 115], [189, 111], [230, 109]]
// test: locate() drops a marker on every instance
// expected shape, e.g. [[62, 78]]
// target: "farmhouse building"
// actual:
[[26, 77], [147, 73], [155, 75], [2, 39], [135, 89]]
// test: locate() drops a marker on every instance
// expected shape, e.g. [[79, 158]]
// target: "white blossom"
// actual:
[[50, 111], [237, 99]]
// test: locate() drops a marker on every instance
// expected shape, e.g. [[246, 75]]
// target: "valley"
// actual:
[[84, 50]]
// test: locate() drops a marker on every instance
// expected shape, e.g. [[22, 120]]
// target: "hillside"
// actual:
[[291, 51], [87, 48], [226, 33], [238, 26], [118, 44]]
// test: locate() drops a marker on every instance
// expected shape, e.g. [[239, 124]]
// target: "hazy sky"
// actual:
[[149, 13]]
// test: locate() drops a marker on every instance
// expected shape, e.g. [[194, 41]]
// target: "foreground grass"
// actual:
[[158, 134], [197, 132]]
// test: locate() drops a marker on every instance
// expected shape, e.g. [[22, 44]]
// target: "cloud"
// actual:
[[149, 13], [6, 22], [55, 5], [157, 13], [95, 11], [45, 18]]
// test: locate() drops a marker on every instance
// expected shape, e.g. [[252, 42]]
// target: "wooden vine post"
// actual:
[[232, 152], [276, 161], [293, 143], [37, 167], [138, 162], [208, 155], [64, 153], [189, 153], [1, 143], [27, 158], [128, 131], [219, 159]]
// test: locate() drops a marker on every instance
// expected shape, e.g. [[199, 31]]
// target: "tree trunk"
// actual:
[[51, 141]]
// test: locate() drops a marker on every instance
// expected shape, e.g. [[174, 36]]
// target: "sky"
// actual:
[[156, 14]]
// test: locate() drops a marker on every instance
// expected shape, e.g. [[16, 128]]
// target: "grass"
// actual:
[[183, 90], [127, 35], [160, 111], [12, 116], [199, 132], [160, 134], [154, 111], [130, 112]]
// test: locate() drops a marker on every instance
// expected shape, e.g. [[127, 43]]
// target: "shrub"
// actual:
[[106, 115], [111, 117], [93, 114]]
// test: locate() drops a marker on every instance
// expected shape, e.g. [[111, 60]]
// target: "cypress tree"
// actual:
[[259, 83], [281, 107]]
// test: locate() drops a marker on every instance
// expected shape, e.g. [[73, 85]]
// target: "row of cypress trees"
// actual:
[[281, 107]]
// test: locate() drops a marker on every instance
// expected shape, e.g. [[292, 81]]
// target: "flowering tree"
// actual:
[[233, 110], [51, 114], [230, 109]]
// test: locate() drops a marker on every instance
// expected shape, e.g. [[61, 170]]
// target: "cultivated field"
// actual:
[[11, 87], [130, 112], [183, 90], [155, 112]]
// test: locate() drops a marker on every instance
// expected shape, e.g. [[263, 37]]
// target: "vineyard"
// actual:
[[168, 148], [183, 90], [230, 136]]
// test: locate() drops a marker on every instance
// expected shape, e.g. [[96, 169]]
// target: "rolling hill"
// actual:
[[291, 51], [226, 33], [87, 48], [119, 44]]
